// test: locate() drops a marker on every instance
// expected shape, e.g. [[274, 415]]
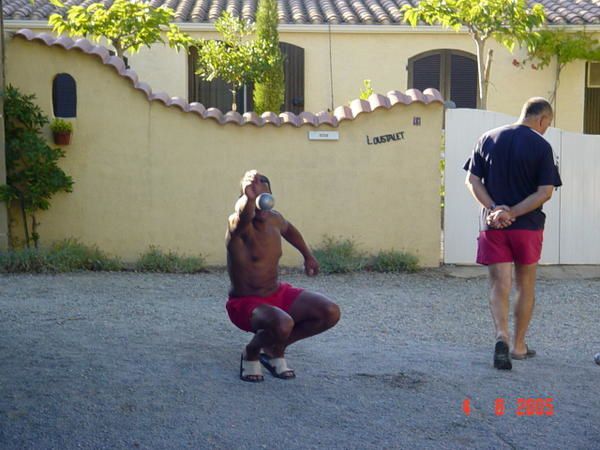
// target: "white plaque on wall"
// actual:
[[323, 135]]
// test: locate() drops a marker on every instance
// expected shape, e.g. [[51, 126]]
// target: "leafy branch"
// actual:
[[126, 25], [510, 22], [237, 59]]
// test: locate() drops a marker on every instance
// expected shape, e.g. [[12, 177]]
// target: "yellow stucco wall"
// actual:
[[382, 57], [148, 174]]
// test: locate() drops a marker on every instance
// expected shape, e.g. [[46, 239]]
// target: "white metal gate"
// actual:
[[572, 233]]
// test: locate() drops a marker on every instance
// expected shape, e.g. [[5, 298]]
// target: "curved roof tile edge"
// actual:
[[341, 113]]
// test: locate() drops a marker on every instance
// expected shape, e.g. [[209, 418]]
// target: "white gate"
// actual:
[[572, 228]]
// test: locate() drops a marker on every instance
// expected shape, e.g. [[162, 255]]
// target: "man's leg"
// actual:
[[312, 313], [272, 327], [500, 283], [525, 275]]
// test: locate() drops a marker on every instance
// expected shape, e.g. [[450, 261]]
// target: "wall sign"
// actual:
[[323, 135], [385, 138]]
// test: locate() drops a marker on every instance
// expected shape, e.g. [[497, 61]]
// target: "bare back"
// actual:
[[253, 253]]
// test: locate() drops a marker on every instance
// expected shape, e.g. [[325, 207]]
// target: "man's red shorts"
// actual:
[[240, 308], [501, 246]]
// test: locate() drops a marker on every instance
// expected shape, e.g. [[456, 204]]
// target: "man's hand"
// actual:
[[501, 217], [311, 266], [250, 183]]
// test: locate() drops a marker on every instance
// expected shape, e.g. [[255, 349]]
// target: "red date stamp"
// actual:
[[522, 407]]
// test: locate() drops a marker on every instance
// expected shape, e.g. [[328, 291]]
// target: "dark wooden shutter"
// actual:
[[64, 96], [215, 93], [426, 72], [591, 114], [463, 81], [293, 70]]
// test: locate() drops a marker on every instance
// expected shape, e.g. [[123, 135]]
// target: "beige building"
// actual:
[[155, 170], [333, 46], [151, 169]]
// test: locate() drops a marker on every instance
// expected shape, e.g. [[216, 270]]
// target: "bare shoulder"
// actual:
[[278, 220]]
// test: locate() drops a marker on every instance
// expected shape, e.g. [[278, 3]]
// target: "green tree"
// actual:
[[126, 25], [509, 22], [562, 47], [367, 91], [269, 94], [236, 58], [32, 172]]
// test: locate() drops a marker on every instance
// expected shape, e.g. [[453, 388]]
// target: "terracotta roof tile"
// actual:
[[248, 7], [383, 12], [346, 13], [330, 13], [314, 11], [341, 113]]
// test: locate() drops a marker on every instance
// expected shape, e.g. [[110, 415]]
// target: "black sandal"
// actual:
[[502, 356]]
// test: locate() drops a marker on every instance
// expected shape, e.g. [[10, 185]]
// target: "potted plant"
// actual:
[[61, 130]]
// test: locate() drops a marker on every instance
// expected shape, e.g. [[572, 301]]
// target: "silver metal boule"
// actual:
[[265, 202], [597, 358]]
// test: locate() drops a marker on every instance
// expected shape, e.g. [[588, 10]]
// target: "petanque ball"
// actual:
[[597, 358], [265, 202]]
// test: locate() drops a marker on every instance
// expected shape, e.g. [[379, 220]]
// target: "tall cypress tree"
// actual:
[[269, 94]]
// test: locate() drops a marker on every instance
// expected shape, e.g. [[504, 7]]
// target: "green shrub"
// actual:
[[64, 256], [339, 256], [394, 261], [26, 260], [61, 126], [155, 260], [70, 255]]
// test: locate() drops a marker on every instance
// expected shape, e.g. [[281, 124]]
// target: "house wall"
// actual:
[[382, 57], [147, 174]]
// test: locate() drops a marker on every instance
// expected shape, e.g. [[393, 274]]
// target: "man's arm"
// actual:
[[291, 234], [245, 209], [534, 201], [480, 193]]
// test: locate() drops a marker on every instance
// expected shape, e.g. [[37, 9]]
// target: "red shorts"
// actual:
[[240, 308], [501, 246]]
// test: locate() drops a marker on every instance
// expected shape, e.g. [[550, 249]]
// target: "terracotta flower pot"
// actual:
[[62, 137]]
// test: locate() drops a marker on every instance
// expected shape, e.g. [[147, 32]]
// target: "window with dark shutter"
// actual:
[[293, 69], [426, 72], [591, 114], [217, 93], [64, 96], [463, 81], [452, 72]]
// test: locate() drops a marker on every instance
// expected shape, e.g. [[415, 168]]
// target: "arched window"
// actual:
[[452, 72], [217, 93], [64, 96]]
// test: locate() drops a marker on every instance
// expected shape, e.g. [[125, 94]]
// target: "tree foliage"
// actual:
[[562, 47], [32, 173], [126, 25], [237, 59], [367, 90], [510, 22], [269, 94]]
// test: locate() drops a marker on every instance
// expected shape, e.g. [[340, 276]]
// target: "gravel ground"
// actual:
[[151, 361]]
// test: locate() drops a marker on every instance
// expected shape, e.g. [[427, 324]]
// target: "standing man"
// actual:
[[277, 313], [512, 173]]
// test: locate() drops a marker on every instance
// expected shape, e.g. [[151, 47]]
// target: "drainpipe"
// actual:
[[3, 206]]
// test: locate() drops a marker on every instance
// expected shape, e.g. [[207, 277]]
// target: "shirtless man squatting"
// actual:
[[277, 313]]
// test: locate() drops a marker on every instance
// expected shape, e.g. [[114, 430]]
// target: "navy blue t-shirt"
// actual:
[[512, 161]]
